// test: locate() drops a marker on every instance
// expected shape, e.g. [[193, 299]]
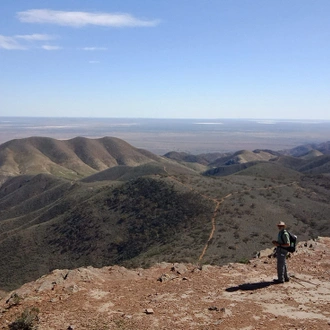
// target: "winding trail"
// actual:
[[217, 205], [220, 201]]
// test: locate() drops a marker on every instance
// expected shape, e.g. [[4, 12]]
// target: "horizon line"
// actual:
[[170, 118]]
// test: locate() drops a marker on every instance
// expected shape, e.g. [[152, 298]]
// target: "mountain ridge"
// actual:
[[72, 158]]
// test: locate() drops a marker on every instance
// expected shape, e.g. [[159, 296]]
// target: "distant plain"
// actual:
[[160, 136]]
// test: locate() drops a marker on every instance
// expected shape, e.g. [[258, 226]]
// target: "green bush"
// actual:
[[244, 261]]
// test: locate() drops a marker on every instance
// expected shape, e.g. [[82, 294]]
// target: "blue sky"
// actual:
[[165, 58]]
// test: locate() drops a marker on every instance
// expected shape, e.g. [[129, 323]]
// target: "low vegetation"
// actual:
[[144, 209], [26, 321]]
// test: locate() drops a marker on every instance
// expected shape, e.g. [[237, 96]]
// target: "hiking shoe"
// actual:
[[276, 281], [287, 280]]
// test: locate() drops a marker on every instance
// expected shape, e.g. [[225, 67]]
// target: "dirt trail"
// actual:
[[220, 201], [216, 209]]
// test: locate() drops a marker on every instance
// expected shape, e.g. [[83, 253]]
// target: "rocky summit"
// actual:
[[179, 296]]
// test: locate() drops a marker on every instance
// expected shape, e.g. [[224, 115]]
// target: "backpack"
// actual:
[[293, 242]]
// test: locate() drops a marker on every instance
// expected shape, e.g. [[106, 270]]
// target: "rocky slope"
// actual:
[[182, 296]]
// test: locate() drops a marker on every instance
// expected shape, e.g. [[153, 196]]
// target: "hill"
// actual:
[[48, 223], [137, 209], [312, 154], [309, 158], [229, 169], [272, 171], [203, 159], [303, 150], [242, 157], [312, 163], [75, 158], [319, 164], [125, 173]]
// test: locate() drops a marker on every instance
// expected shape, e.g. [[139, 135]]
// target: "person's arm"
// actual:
[[276, 243], [286, 239], [283, 245]]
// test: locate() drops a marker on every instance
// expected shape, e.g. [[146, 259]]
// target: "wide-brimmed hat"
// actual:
[[281, 223]]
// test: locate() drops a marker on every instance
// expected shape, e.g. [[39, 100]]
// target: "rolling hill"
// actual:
[[80, 202], [242, 157], [204, 159], [75, 158], [303, 150]]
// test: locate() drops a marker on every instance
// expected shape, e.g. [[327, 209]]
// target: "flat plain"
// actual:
[[160, 136]]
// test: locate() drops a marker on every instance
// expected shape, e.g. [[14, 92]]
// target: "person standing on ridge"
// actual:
[[283, 241]]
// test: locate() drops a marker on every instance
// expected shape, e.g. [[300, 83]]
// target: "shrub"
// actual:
[[26, 320], [15, 299], [244, 261]]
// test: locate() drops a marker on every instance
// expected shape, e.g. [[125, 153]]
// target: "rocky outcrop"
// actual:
[[235, 296]]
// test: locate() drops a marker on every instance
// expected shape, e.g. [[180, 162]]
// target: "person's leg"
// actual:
[[281, 266], [286, 275]]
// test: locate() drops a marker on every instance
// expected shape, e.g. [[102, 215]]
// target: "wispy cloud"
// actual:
[[94, 62], [23, 42], [9, 43], [94, 48], [80, 19], [35, 37], [49, 47]]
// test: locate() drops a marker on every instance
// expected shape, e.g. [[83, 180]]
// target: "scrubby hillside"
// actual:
[[144, 209], [203, 159], [242, 157], [47, 223], [310, 158], [302, 150], [65, 224], [125, 173]]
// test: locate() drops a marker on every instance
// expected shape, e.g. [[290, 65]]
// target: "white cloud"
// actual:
[[94, 62], [94, 48], [17, 41], [9, 43], [49, 47], [80, 19], [35, 37]]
